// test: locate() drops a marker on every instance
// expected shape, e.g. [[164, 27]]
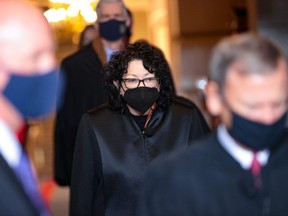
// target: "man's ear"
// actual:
[[96, 26], [128, 22], [213, 98]]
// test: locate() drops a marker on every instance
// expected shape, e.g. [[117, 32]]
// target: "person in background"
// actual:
[[28, 87], [90, 32], [85, 82], [118, 140], [129, 29], [242, 169], [87, 36]]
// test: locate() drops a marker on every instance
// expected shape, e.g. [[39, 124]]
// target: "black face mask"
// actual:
[[141, 98], [112, 30], [255, 135]]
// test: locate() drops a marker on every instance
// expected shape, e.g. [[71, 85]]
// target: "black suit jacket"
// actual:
[[207, 181], [84, 90], [13, 199]]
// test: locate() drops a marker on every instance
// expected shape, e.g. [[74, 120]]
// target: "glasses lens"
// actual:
[[131, 83], [134, 83], [151, 82]]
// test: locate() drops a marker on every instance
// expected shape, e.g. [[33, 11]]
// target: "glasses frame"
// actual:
[[139, 81]]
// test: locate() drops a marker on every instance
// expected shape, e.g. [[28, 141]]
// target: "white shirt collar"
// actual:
[[10, 148], [243, 156], [109, 52]]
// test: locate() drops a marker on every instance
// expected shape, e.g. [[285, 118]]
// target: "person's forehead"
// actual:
[[111, 8], [38, 42], [136, 68], [257, 86]]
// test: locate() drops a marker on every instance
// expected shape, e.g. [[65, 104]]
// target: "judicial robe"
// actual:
[[112, 153], [206, 180]]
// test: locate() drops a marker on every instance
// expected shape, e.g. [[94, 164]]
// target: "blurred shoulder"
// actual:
[[101, 109], [186, 158], [80, 55], [182, 101]]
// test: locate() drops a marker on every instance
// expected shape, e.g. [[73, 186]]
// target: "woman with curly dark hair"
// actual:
[[117, 141]]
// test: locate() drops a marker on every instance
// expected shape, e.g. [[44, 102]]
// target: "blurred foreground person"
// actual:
[[117, 141], [243, 168], [28, 86]]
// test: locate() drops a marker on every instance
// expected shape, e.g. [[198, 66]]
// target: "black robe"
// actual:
[[206, 180], [84, 90], [112, 153]]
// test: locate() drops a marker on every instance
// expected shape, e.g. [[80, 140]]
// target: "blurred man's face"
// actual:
[[110, 11], [32, 72], [28, 75], [26, 49], [31, 52], [260, 98]]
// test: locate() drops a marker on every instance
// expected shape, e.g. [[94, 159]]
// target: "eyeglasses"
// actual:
[[131, 83]]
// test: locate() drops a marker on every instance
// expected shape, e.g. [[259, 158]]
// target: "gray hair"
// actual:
[[258, 54], [101, 2]]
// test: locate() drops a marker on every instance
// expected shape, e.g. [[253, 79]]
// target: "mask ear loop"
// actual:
[[159, 85], [150, 114], [121, 87]]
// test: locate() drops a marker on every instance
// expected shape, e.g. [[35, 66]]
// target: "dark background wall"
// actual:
[[272, 20]]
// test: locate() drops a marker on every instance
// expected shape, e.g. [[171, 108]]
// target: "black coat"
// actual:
[[112, 154], [13, 199], [84, 90], [206, 180]]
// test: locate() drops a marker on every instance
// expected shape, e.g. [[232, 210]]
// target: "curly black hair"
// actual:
[[153, 60]]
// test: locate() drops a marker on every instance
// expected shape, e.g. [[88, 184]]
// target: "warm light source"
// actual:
[[55, 15], [62, 10], [69, 17], [88, 13], [72, 1]]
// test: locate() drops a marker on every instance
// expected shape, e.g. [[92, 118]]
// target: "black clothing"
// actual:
[[112, 154], [13, 199], [140, 120], [206, 180], [84, 90]]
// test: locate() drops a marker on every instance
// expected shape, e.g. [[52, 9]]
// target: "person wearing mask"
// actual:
[[242, 169], [85, 82], [118, 140], [28, 87]]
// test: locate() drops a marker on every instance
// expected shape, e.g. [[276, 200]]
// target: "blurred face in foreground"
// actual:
[[27, 50], [258, 97]]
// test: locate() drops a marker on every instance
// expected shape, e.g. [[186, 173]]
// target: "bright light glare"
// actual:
[[72, 1], [53, 15], [88, 13], [73, 10], [201, 83]]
